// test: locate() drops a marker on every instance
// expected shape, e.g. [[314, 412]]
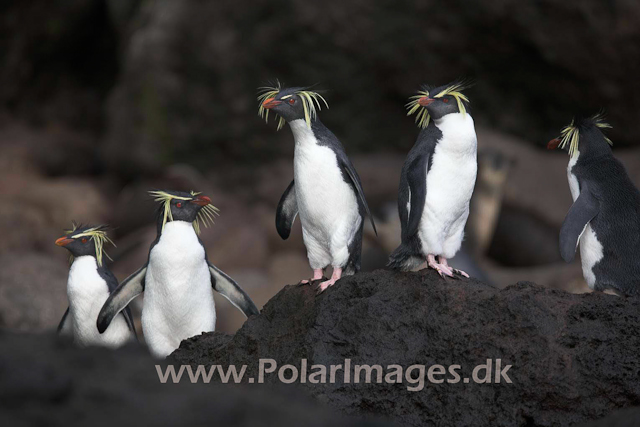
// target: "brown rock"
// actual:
[[33, 291]]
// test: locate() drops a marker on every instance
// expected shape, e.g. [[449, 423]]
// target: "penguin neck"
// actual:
[[179, 226], [428, 135], [84, 279], [448, 119], [160, 228], [85, 259], [303, 134], [590, 151], [458, 132]]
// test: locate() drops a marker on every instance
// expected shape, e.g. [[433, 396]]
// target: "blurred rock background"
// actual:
[[101, 101]]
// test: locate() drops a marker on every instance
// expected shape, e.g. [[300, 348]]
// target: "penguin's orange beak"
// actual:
[[201, 200], [270, 103], [63, 241], [425, 100], [553, 144]]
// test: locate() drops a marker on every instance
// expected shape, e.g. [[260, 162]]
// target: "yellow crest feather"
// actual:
[[570, 135], [422, 117], [310, 103], [206, 214], [99, 236]]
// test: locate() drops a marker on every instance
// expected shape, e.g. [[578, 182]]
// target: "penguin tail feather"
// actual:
[[404, 259], [350, 270]]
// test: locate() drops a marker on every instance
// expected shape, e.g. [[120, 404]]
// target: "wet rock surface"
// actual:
[[574, 357], [47, 382]]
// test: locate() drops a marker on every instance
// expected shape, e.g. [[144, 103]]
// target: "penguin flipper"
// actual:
[[128, 317], [112, 283], [287, 211], [347, 167], [64, 327], [584, 209], [229, 289], [417, 180], [130, 288]]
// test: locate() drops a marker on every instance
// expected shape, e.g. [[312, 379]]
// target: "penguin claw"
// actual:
[[447, 274], [448, 271], [462, 273], [324, 286]]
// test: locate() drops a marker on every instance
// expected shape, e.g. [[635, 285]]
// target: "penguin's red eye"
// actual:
[[84, 240], [445, 100], [292, 101], [179, 204]]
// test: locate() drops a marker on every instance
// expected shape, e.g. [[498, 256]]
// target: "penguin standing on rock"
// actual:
[[326, 191], [605, 217], [437, 180], [88, 287], [177, 278]]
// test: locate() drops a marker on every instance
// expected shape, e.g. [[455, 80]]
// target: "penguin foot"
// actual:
[[442, 269], [324, 285], [460, 272], [443, 261], [317, 275], [337, 274]]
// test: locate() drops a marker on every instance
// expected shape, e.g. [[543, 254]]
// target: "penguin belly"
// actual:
[[178, 298], [450, 183], [327, 204], [591, 250], [87, 293]]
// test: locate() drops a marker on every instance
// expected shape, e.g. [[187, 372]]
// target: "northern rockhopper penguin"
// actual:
[[326, 191], [605, 216], [437, 180], [177, 279], [88, 287]]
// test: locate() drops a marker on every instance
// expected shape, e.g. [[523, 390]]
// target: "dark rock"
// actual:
[[46, 382], [191, 68], [574, 357], [523, 240], [629, 417], [59, 60], [33, 292]]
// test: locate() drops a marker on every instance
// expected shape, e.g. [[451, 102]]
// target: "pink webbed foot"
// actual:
[[443, 261], [443, 270], [317, 275], [337, 274]]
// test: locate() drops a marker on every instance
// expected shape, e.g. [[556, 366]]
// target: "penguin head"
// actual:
[[184, 206], [289, 104], [435, 103], [583, 135], [86, 241]]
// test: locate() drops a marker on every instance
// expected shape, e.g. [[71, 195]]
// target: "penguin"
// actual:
[[88, 287], [437, 180], [605, 216], [177, 279], [326, 191]]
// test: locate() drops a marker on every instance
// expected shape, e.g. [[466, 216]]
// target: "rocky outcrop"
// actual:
[[573, 357], [46, 382], [190, 71], [58, 60], [33, 293]]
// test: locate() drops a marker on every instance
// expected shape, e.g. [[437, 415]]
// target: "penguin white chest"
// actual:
[[87, 292], [591, 251], [327, 204], [178, 298], [450, 183]]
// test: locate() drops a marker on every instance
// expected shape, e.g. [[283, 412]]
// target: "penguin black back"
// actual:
[[610, 241]]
